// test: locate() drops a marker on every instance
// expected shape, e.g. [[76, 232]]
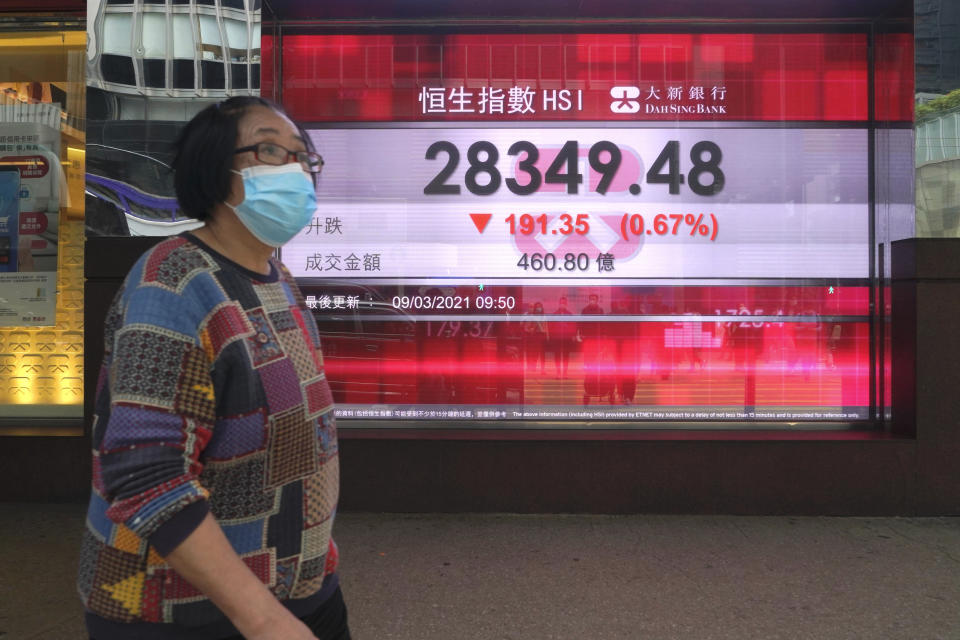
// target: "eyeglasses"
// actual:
[[270, 153]]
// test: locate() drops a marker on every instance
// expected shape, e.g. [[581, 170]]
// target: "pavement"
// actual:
[[532, 577]]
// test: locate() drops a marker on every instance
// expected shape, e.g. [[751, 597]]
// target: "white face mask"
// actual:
[[278, 201]]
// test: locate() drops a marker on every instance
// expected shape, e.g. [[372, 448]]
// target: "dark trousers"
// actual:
[[328, 622]]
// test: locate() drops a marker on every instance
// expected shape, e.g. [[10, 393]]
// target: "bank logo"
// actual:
[[624, 99]]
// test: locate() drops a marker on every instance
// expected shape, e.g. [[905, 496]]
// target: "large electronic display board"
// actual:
[[582, 228]]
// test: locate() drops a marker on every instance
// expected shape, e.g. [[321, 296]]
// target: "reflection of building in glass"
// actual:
[[151, 66], [206, 48], [937, 33], [938, 175], [938, 120]]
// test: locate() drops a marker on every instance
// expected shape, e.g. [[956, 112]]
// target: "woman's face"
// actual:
[[261, 124]]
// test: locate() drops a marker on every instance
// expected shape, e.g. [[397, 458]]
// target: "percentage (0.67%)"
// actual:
[[670, 224]]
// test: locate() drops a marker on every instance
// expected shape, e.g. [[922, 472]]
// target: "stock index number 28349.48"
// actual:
[[704, 177]]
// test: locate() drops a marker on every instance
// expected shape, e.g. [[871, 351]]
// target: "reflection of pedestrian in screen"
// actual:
[[834, 334], [436, 383], [214, 433], [746, 340], [693, 341], [596, 382], [789, 348], [628, 352], [534, 337], [593, 307], [807, 334], [561, 334]]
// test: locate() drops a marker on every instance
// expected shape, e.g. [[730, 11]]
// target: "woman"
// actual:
[[215, 452]]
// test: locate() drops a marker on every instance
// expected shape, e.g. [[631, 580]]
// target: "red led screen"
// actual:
[[893, 82], [714, 264], [727, 77]]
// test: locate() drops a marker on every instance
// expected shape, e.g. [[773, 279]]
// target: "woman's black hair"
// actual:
[[204, 153]]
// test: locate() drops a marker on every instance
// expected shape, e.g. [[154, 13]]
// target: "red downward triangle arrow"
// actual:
[[480, 220]]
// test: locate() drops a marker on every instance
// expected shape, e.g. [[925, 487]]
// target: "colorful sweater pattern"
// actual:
[[211, 398]]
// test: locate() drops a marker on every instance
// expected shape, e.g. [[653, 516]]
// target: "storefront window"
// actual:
[[41, 223]]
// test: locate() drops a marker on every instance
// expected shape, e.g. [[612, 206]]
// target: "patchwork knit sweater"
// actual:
[[212, 398]]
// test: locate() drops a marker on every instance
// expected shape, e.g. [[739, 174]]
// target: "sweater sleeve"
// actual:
[[160, 418]]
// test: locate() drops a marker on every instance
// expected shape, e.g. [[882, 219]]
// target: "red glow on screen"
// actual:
[[774, 347], [762, 77], [893, 86], [722, 48], [661, 364], [267, 79]]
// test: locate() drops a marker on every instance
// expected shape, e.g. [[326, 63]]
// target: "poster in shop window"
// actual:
[[31, 187]]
